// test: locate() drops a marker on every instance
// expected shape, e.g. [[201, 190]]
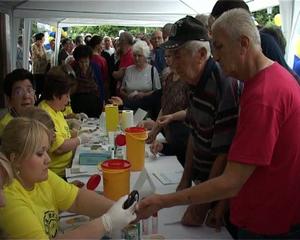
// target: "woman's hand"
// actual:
[[156, 147], [133, 94], [139, 95], [116, 100], [153, 133], [148, 124], [164, 120]]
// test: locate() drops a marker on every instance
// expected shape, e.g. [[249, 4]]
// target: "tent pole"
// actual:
[[57, 42], [15, 30], [26, 41]]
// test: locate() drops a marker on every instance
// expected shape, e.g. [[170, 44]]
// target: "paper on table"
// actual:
[[139, 115], [167, 178], [76, 172]]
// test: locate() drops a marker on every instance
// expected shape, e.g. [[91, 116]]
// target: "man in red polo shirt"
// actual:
[[262, 173], [126, 58]]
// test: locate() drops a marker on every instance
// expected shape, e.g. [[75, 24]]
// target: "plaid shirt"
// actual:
[[212, 117]]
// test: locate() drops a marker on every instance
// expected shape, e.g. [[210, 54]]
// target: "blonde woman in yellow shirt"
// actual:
[[5, 178], [37, 195]]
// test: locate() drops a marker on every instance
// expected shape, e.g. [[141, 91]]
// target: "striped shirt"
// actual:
[[212, 117]]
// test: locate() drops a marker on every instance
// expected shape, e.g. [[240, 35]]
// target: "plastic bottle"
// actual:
[[155, 223]]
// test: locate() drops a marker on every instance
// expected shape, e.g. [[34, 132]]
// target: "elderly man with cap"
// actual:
[[212, 113], [262, 175]]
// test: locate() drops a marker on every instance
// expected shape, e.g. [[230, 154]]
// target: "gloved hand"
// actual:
[[116, 218], [73, 123], [84, 138], [82, 116]]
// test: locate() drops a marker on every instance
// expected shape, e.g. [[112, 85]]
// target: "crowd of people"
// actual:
[[216, 86]]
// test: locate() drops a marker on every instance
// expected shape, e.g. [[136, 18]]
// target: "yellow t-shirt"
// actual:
[[4, 121], [34, 214], [62, 132], [68, 110]]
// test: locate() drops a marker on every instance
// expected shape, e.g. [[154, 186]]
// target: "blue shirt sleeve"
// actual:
[[99, 80]]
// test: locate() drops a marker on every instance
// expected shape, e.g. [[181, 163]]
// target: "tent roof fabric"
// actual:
[[118, 12]]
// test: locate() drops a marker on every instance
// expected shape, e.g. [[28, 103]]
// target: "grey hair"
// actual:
[[194, 46], [106, 38], [203, 18], [167, 28], [238, 22], [141, 47]]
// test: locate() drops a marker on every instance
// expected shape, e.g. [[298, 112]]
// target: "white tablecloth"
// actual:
[[168, 219]]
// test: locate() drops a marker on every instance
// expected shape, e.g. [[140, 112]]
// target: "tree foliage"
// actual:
[[108, 30], [263, 18]]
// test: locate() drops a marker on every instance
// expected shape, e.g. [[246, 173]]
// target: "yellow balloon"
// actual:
[[64, 34], [53, 29], [277, 20], [297, 47]]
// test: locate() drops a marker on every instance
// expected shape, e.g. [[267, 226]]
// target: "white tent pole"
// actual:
[[193, 9], [287, 11], [15, 30], [26, 41], [57, 42], [8, 30]]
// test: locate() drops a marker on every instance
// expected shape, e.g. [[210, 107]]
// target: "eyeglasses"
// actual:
[[21, 92]]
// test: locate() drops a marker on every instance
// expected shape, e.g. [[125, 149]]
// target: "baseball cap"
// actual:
[[222, 6], [184, 30]]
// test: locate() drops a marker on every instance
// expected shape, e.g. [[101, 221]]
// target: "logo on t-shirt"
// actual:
[[51, 223]]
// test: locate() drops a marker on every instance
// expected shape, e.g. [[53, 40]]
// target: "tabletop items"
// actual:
[[114, 178]]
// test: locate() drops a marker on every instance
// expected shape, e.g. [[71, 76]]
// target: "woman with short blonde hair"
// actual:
[[36, 195], [6, 176]]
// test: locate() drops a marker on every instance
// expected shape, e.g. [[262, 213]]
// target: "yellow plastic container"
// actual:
[[112, 117], [135, 147], [116, 178]]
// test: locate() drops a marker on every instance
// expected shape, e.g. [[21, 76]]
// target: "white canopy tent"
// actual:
[[117, 12], [290, 12]]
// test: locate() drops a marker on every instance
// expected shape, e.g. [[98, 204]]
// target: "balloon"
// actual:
[[297, 47], [52, 34], [53, 29], [277, 20], [47, 46], [64, 34]]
